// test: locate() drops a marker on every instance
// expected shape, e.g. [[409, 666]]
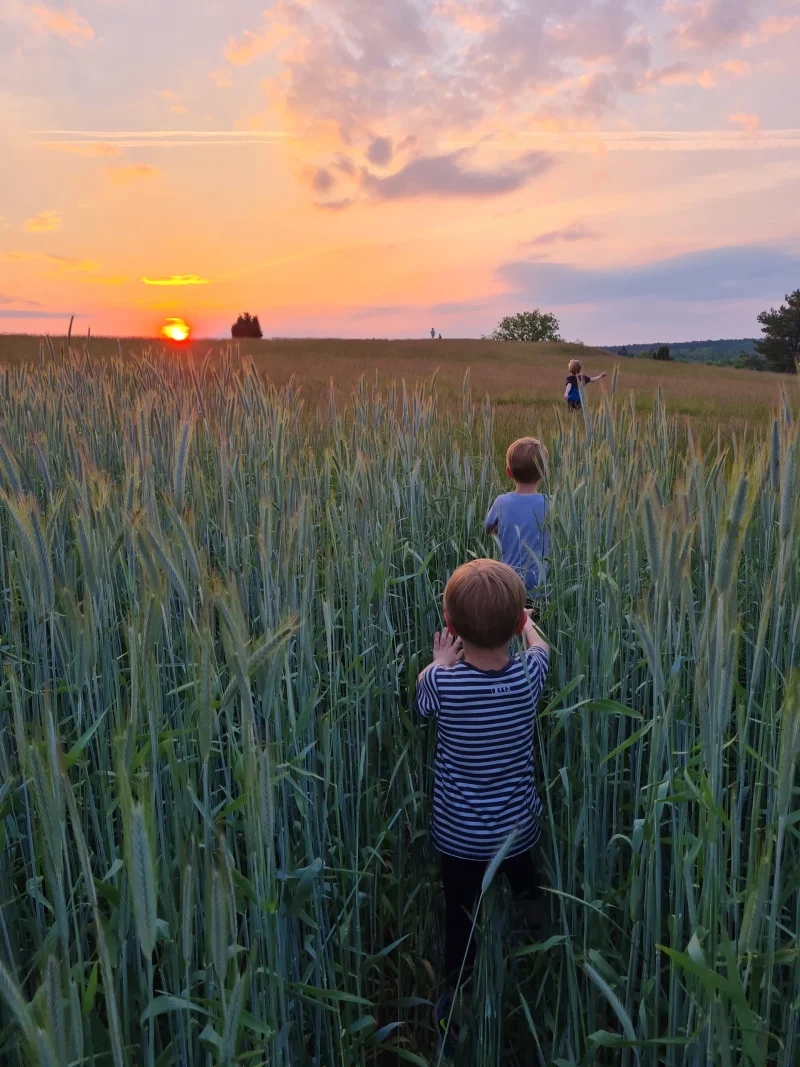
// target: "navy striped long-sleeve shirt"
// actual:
[[484, 786]]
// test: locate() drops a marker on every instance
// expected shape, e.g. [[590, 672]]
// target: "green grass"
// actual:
[[215, 795]]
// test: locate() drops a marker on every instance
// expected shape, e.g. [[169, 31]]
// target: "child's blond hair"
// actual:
[[527, 460], [484, 602], [575, 366]]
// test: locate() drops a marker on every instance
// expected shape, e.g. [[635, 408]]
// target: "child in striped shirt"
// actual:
[[484, 703]]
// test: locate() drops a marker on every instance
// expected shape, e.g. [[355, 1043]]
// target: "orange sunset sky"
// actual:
[[379, 167]]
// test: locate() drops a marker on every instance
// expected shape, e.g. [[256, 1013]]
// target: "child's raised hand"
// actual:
[[447, 650], [531, 634]]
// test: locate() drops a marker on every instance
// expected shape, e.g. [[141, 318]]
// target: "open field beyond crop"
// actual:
[[525, 382], [214, 792]]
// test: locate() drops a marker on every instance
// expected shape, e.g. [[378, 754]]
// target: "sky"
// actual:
[[378, 168]]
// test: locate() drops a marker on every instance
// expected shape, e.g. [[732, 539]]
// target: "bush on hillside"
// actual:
[[533, 325], [750, 361]]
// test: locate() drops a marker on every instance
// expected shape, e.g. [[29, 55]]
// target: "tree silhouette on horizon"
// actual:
[[247, 325]]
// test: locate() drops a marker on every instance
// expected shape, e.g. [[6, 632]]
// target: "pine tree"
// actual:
[[781, 344], [247, 325]]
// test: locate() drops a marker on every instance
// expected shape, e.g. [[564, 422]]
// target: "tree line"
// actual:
[[778, 350]]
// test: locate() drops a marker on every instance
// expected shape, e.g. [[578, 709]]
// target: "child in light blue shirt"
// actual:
[[519, 519]]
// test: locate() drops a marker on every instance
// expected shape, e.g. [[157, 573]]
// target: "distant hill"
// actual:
[[725, 353]]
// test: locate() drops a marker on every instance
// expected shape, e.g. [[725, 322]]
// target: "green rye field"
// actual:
[[525, 382], [216, 593]]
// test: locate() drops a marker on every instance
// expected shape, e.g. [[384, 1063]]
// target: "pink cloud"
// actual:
[[65, 23], [471, 21], [443, 68], [710, 24], [682, 74], [778, 25], [594, 33], [750, 123], [738, 67], [249, 47]]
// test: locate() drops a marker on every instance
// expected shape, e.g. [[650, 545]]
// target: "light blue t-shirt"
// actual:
[[522, 528]]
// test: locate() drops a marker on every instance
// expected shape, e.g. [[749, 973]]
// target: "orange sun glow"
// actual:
[[175, 330]]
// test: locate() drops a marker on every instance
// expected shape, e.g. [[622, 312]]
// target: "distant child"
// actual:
[[572, 393], [484, 703], [520, 518]]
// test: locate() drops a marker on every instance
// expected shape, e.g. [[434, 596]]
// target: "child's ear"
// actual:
[[449, 626], [523, 622], [508, 472]]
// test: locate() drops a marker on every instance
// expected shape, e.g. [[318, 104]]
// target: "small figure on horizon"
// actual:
[[433, 334], [572, 392], [440, 337]]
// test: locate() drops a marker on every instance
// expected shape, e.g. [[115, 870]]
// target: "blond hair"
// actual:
[[484, 602], [527, 460], [575, 366]]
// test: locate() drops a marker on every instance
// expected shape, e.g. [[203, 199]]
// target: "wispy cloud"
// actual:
[[13, 313], [711, 24], [451, 176], [90, 149], [738, 67], [778, 25], [220, 78], [242, 51], [714, 274], [750, 123], [681, 74], [134, 172], [63, 22], [576, 231], [666, 140], [44, 222], [177, 279], [336, 205], [4, 300], [59, 264], [161, 138]]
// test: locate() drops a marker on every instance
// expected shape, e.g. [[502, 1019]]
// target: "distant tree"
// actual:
[[780, 346], [528, 326], [624, 351], [246, 325], [750, 361], [662, 353]]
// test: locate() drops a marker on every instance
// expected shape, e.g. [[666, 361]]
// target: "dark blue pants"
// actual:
[[462, 889]]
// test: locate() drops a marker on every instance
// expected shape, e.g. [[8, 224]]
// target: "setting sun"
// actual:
[[175, 330]]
